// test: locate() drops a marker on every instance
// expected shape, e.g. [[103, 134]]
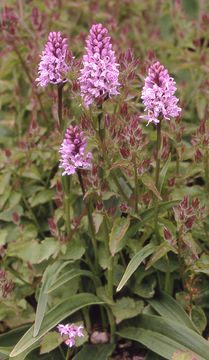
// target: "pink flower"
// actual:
[[73, 152], [99, 76], [52, 66], [158, 95]]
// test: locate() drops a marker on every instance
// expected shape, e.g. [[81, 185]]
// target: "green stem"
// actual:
[[112, 324], [61, 352], [110, 261], [157, 170], [91, 224], [114, 176], [59, 94], [136, 192], [157, 175], [181, 268], [14, 273], [101, 138], [68, 354], [177, 164], [86, 316], [206, 171], [101, 130], [167, 275], [110, 278], [32, 215], [66, 186]]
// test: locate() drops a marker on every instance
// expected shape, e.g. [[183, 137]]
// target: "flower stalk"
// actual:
[[91, 224], [206, 171], [136, 185]]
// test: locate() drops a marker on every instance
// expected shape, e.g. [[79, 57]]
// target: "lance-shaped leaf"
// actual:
[[158, 253], [134, 264], [69, 275], [54, 317], [120, 226], [168, 307], [49, 276], [165, 336]]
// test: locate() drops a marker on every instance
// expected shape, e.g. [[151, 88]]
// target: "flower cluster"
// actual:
[[73, 151], [53, 60], [5, 284], [99, 74], [158, 95], [9, 20], [71, 331], [187, 215]]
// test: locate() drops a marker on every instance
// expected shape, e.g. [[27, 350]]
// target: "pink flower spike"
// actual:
[[53, 67], [73, 152], [158, 95], [99, 76]]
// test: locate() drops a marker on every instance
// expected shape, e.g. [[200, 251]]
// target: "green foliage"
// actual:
[[119, 249]]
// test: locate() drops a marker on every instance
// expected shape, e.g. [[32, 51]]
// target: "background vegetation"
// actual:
[[149, 282]]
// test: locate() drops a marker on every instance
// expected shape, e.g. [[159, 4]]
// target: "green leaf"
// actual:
[[163, 173], [170, 336], [50, 341], [95, 352], [42, 197], [126, 308], [148, 181], [97, 218], [152, 356], [48, 278], [120, 226], [168, 307], [146, 287], [198, 317], [32, 173], [134, 264], [53, 317], [67, 276], [4, 197], [4, 181], [159, 252], [48, 247], [74, 249], [3, 236], [147, 216], [103, 256], [189, 241], [6, 215], [9, 339], [158, 343]]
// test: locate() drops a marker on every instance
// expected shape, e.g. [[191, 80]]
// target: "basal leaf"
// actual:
[[134, 264], [67, 276], [53, 317], [168, 307]]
